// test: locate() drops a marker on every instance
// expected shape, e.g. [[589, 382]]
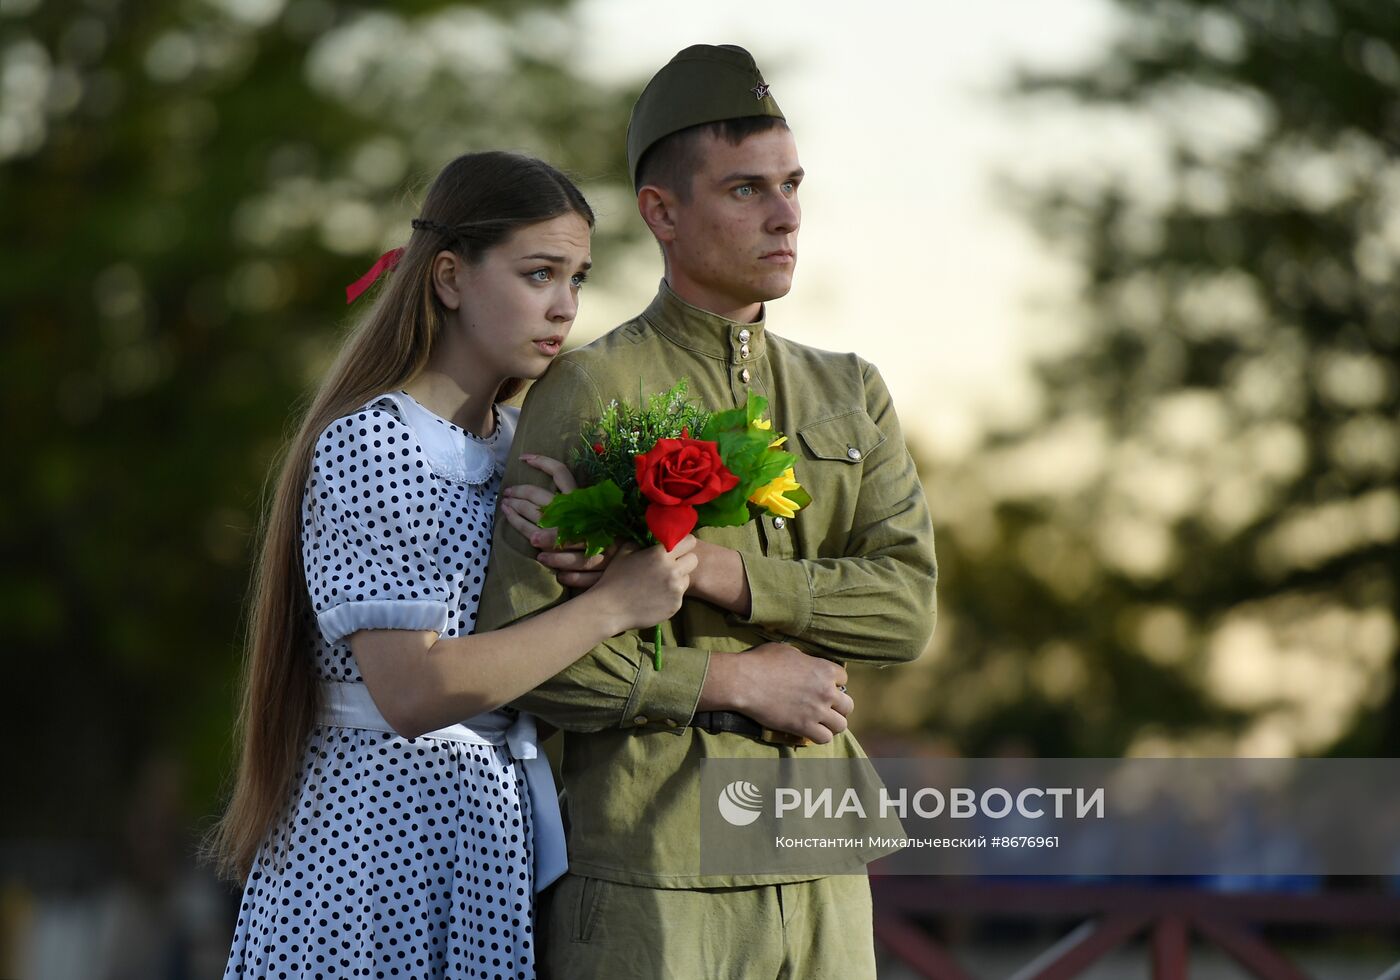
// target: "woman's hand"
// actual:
[[645, 587], [521, 506]]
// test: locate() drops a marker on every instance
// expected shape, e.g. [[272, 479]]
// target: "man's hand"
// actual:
[[782, 688], [720, 578]]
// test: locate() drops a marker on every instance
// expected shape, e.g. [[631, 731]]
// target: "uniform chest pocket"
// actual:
[[849, 438]]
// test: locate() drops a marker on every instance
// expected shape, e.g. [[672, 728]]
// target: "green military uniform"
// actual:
[[851, 577]]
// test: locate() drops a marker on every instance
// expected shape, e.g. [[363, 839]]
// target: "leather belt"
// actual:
[[715, 722], [733, 722]]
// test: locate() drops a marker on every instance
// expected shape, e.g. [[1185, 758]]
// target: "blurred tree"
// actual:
[[185, 189], [1195, 543]]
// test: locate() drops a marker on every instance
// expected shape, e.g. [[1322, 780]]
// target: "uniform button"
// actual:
[[853, 453], [671, 723], [744, 336], [639, 720], [744, 375], [780, 522], [744, 351]]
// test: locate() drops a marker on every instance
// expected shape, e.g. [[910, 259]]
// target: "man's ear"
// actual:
[[446, 265], [657, 206]]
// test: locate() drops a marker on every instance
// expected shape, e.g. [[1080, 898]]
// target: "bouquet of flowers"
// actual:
[[657, 471]]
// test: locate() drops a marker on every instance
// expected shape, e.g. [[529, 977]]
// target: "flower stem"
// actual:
[[656, 648]]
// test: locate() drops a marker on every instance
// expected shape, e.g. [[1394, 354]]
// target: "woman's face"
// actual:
[[518, 302]]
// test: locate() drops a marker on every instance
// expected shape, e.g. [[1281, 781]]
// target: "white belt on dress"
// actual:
[[347, 704]]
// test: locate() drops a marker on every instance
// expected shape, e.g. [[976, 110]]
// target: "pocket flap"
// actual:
[[850, 437]]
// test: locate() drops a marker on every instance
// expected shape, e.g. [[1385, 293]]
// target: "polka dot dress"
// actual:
[[396, 857]]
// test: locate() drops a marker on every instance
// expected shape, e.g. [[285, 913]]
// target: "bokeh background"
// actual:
[[1128, 266]]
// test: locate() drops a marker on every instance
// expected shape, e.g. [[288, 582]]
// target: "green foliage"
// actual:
[[595, 515], [745, 451], [626, 431], [744, 415], [623, 432]]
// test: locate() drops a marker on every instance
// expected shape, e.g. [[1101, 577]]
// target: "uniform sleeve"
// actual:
[[614, 684], [369, 521], [876, 604]]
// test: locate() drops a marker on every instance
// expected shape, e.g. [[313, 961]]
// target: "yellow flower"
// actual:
[[767, 424], [771, 496]]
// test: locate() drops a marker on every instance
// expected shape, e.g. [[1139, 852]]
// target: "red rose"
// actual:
[[675, 476], [598, 448]]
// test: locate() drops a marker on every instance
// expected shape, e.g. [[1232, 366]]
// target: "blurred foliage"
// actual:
[[185, 189], [1194, 546]]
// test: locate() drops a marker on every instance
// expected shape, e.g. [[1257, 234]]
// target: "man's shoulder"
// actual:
[[626, 340], [821, 362], [585, 372]]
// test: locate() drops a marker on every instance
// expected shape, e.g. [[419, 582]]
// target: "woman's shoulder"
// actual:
[[377, 422], [374, 433], [395, 426]]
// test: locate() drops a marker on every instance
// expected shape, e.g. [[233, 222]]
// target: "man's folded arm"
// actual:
[[877, 603]]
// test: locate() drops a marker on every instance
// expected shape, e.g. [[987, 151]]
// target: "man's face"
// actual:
[[736, 238]]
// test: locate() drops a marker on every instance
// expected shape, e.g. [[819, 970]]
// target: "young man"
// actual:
[[849, 579]]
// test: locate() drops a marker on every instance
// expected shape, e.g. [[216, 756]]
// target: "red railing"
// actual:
[[1112, 916]]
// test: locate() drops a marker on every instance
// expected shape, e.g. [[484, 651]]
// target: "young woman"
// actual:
[[380, 834]]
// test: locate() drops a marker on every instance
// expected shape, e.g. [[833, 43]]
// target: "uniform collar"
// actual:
[[704, 332]]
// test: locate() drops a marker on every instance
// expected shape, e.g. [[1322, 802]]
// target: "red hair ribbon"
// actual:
[[386, 262]]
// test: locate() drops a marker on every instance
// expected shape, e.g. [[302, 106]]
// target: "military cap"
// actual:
[[705, 83]]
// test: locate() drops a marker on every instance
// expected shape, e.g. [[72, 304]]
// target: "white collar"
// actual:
[[452, 452]]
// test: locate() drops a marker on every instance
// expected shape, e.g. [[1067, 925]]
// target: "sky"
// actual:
[[906, 255]]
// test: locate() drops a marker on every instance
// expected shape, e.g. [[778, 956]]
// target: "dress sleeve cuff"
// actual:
[[666, 698], [780, 594], [382, 614]]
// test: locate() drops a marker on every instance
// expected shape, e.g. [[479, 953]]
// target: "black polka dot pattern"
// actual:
[[396, 857], [388, 543]]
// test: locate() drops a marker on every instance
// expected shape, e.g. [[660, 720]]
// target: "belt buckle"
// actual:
[[773, 737]]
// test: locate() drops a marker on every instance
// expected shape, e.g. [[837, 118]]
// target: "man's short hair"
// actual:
[[671, 162]]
